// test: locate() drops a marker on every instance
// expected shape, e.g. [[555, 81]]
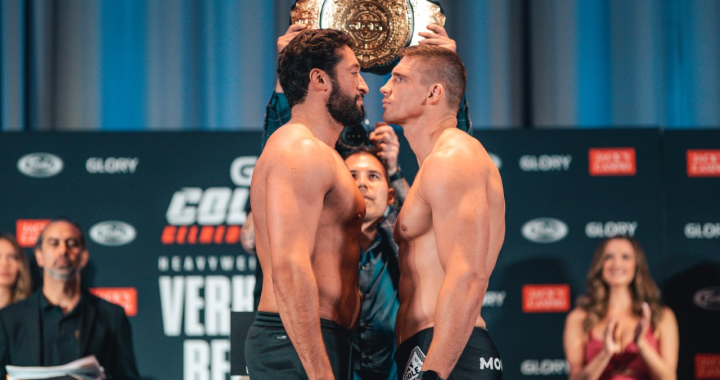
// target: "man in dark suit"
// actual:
[[60, 322]]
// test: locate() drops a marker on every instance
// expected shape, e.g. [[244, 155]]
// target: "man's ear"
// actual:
[[391, 196], [84, 258], [319, 80], [436, 92], [39, 258]]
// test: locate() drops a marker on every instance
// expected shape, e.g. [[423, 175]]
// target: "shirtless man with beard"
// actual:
[[451, 227], [308, 213]]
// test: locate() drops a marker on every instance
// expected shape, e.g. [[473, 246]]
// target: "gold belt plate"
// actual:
[[379, 28]]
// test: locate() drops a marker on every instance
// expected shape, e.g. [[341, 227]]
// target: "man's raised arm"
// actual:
[[455, 189], [298, 178]]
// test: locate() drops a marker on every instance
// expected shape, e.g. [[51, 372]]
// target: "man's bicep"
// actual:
[[293, 205], [461, 220]]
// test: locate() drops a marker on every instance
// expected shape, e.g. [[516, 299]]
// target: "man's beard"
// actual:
[[343, 108], [62, 275]]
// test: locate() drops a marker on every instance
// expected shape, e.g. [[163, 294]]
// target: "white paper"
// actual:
[[86, 368]]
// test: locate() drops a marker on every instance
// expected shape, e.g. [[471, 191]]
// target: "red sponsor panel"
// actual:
[[125, 297], [222, 234], [28, 230], [703, 163], [612, 161], [553, 298], [707, 366]]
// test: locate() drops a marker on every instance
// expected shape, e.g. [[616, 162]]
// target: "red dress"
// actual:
[[627, 365]]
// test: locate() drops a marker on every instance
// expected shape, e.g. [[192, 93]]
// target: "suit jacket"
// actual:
[[104, 332]]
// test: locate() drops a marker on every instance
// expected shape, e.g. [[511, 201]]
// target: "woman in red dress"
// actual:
[[620, 329]]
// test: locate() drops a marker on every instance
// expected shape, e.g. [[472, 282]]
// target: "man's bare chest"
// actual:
[[415, 218]]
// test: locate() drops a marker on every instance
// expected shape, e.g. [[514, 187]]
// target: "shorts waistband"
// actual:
[[266, 319], [477, 332]]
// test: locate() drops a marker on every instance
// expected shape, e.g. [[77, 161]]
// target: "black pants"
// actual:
[[479, 360], [269, 353]]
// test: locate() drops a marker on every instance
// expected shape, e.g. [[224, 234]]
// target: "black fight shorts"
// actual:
[[479, 360], [270, 355]]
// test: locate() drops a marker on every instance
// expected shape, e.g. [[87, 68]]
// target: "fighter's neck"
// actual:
[[316, 118], [423, 134], [65, 294]]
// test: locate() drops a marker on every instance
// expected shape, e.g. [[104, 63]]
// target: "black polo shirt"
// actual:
[[60, 333]]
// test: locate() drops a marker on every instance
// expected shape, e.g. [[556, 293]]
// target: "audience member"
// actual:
[[60, 322], [15, 281], [620, 329]]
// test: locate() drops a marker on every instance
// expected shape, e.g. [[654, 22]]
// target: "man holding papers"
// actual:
[[61, 323]]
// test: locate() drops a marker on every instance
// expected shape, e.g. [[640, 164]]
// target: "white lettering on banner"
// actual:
[[544, 230], [610, 229], [217, 311], [205, 303], [206, 360], [200, 263], [545, 367], [545, 163], [494, 298], [196, 360], [112, 165], [213, 206], [708, 298], [112, 233], [702, 231], [193, 305], [241, 170], [40, 165]]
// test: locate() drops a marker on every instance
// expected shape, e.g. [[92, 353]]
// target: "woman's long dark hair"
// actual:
[[23, 284], [642, 288]]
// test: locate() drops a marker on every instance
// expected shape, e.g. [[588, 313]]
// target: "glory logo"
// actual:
[[610, 229], [544, 367], [702, 230], [545, 163]]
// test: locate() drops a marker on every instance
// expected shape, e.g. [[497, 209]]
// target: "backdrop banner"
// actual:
[[163, 214]]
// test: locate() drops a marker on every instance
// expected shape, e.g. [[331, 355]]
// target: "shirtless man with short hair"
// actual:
[[308, 213], [451, 227]]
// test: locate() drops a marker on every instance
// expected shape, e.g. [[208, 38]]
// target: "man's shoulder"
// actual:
[[295, 142], [459, 153], [102, 306], [18, 309]]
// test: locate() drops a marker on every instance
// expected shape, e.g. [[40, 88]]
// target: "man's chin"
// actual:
[[390, 120]]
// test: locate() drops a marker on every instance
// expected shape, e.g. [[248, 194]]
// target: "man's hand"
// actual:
[[247, 235], [283, 41], [291, 32], [387, 146], [438, 36]]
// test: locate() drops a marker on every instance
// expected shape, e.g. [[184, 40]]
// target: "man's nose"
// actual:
[[362, 86], [385, 89]]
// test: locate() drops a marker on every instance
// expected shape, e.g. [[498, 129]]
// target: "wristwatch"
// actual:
[[397, 175], [428, 375]]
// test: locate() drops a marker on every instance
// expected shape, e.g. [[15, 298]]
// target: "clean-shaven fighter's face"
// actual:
[[403, 94]]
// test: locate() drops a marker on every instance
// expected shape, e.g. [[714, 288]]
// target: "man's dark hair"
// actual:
[[38, 244], [442, 65], [365, 149], [310, 49]]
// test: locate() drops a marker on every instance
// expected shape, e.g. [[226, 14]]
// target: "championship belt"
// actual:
[[379, 28]]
